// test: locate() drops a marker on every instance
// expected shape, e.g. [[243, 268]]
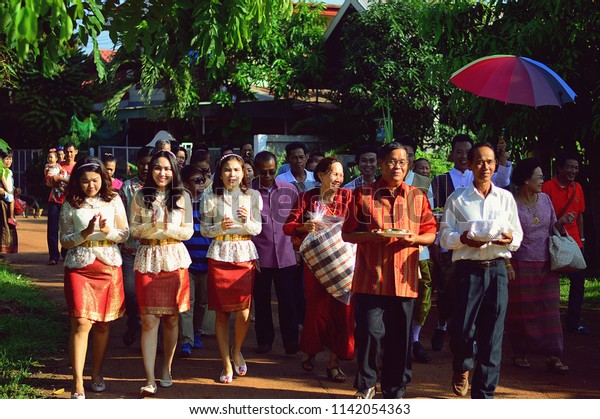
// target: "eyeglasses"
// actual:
[[267, 172], [394, 163], [198, 180]]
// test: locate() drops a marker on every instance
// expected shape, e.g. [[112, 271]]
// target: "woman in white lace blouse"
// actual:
[[231, 215], [161, 217], [92, 222]]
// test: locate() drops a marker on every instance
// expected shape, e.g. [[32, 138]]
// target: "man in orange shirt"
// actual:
[[568, 200], [385, 283]]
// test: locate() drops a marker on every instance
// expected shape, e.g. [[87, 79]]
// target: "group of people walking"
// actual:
[[175, 242]]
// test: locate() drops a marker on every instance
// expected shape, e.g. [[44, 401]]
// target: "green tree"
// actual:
[[386, 64], [40, 29], [195, 51], [45, 105]]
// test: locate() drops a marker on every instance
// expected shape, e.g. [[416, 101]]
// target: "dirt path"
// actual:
[[280, 376]]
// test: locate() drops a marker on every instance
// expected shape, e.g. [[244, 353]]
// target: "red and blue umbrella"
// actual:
[[513, 79]]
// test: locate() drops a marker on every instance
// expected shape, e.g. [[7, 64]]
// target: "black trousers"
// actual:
[[383, 324], [477, 326], [284, 280]]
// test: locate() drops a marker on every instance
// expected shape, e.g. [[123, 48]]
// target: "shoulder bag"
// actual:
[[565, 254]]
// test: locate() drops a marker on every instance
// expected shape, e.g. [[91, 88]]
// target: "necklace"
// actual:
[[536, 219]]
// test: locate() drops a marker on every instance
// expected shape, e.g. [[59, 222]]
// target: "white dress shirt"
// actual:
[[463, 179], [467, 204]]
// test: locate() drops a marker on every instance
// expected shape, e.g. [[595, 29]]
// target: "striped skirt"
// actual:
[[164, 293], [533, 317], [95, 292], [230, 285]]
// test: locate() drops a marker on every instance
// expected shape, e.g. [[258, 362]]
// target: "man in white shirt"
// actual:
[[443, 185], [302, 179], [480, 277]]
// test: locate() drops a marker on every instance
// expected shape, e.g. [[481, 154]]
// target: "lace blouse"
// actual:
[[214, 208], [177, 224], [74, 220]]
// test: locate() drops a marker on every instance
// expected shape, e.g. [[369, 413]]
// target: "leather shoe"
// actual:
[[263, 348], [365, 394], [420, 354], [460, 383], [437, 340]]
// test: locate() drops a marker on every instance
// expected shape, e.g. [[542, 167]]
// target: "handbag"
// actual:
[[565, 254]]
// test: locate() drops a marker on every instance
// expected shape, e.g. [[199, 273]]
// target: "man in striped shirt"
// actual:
[[385, 280]]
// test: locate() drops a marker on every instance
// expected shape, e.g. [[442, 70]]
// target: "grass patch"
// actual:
[[591, 298], [30, 329]]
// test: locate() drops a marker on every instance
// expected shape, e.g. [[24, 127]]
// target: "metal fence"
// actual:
[[22, 159]]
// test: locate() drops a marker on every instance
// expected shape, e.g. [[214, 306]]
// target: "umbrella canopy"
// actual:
[[513, 79]]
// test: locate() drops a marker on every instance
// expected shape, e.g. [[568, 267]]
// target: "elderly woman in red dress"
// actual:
[[92, 222], [161, 217], [328, 321], [231, 215]]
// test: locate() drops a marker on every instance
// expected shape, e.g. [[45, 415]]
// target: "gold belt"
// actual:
[[233, 237], [97, 243], [157, 242]]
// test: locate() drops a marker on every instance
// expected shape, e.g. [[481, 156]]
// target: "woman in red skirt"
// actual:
[[161, 217], [231, 215], [92, 222], [328, 321]]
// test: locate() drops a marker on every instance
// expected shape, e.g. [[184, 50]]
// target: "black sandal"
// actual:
[[336, 374]]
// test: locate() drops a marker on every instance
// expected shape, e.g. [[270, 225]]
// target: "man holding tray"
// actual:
[[481, 226], [385, 283]]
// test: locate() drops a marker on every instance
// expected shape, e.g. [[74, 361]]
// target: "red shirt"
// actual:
[[306, 202], [559, 196], [388, 268]]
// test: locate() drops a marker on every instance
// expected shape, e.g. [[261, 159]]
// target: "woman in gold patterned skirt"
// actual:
[[161, 217], [92, 222], [231, 215]]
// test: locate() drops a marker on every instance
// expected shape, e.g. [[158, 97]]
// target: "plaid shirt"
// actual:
[[388, 268]]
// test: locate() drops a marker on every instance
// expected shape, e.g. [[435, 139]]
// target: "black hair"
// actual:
[[317, 153], [523, 170], [5, 154], [324, 166], [108, 158], [174, 193], [199, 156], [420, 160], [218, 185], [294, 146], [75, 195], [386, 149], [364, 149], [250, 161], [144, 152], [471, 154], [184, 151], [226, 147], [264, 156], [188, 172], [461, 138], [408, 141], [562, 158], [201, 146], [69, 144]]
